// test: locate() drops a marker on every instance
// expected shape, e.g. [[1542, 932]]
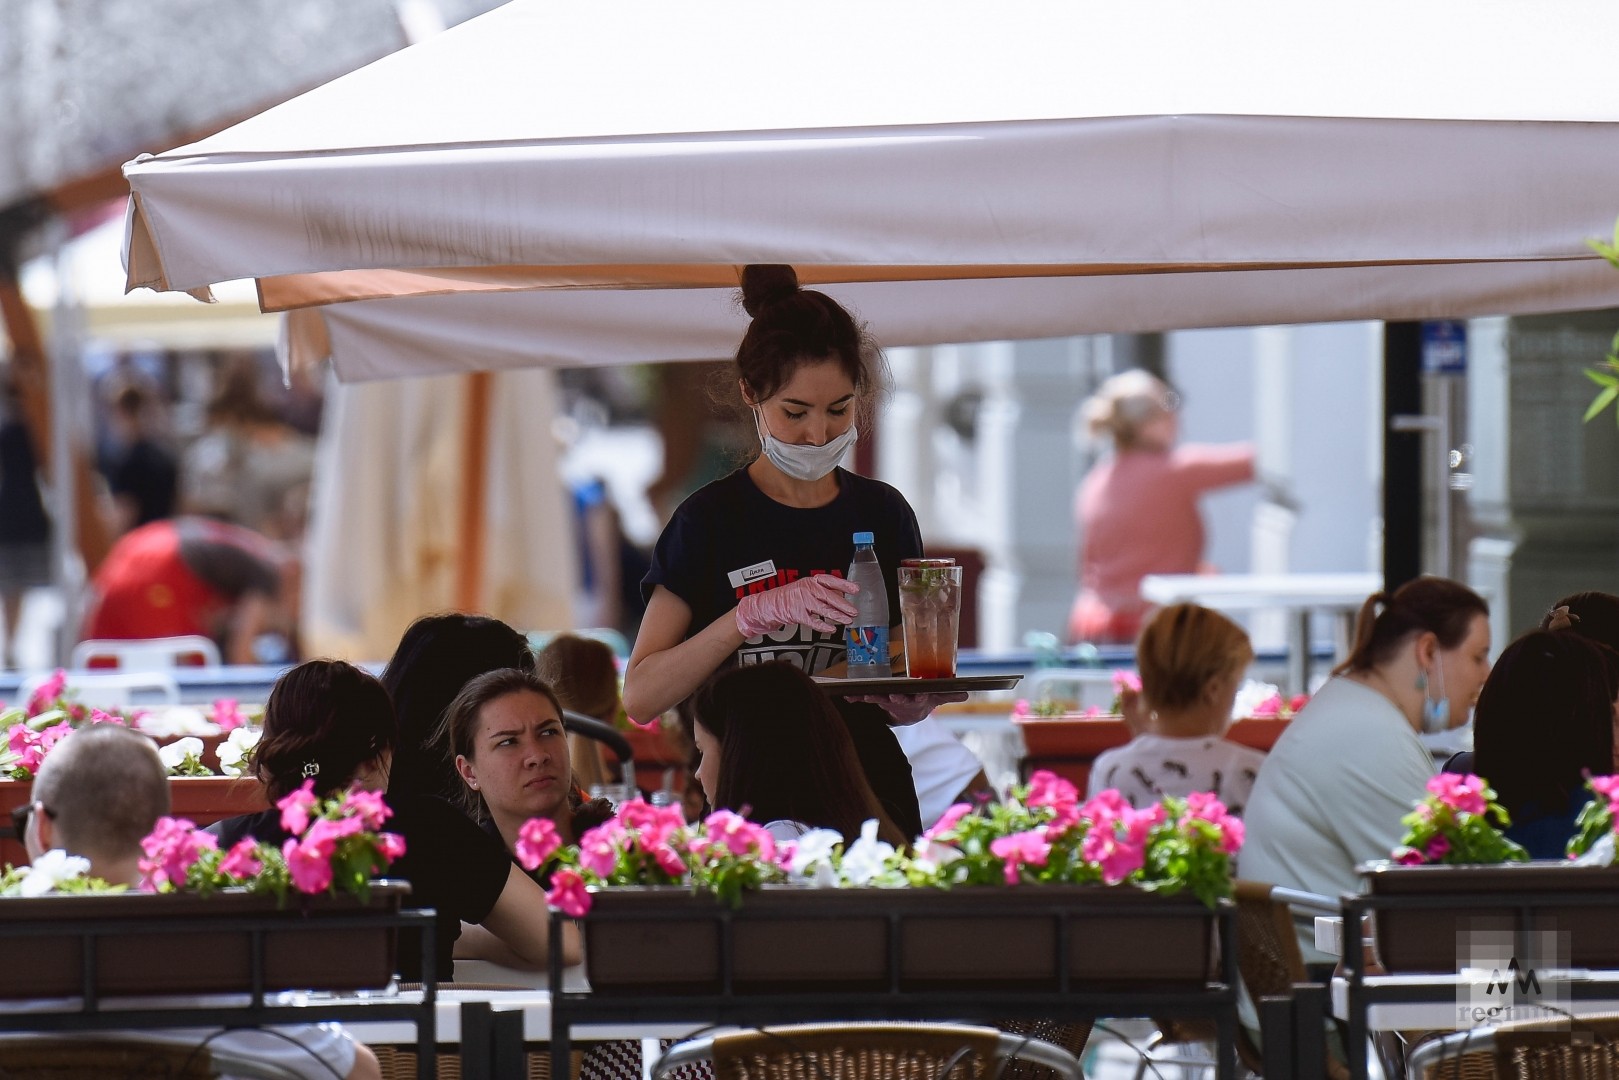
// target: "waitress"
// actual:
[[750, 567]]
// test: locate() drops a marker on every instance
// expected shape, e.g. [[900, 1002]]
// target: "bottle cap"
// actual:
[[864, 538]]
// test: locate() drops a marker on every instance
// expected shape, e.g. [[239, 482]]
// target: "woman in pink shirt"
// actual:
[[1137, 512]]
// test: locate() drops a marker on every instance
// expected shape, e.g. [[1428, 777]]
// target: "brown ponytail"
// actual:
[[1433, 605]]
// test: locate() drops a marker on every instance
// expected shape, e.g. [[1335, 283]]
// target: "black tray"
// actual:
[[901, 685]]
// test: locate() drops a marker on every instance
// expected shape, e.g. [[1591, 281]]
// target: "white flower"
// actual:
[[812, 856], [865, 858], [930, 855], [166, 723], [50, 870], [1600, 853], [175, 753], [237, 748], [1252, 694]]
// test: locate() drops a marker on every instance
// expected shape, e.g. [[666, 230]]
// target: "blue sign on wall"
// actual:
[[1444, 347]]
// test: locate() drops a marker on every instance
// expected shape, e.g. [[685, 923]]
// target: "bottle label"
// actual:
[[868, 646]]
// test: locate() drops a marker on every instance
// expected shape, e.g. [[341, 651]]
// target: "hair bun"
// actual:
[[766, 283]]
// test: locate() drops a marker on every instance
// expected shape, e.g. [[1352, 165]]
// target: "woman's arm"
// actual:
[[665, 666], [522, 922], [477, 943]]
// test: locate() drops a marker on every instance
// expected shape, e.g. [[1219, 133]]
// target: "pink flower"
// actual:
[[1048, 789], [391, 845], [171, 849], [324, 834], [1116, 857], [48, 693], [1205, 805], [241, 861], [1020, 707], [1409, 857], [1437, 848], [1108, 805], [227, 715], [52, 735], [1021, 849], [369, 806], [737, 834], [568, 893], [1461, 793], [597, 853], [310, 870], [537, 839], [948, 821], [669, 860], [295, 808], [1271, 706], [1297, 702], [23, 741], [1232, 834], [99, 717], [1126, 680]]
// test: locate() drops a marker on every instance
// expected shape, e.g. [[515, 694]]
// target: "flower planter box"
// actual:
[[188, 944], [1424, 939], [1068, 745], [787, 939]]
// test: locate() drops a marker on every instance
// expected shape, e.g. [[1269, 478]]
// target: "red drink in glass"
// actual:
[[930, 616]]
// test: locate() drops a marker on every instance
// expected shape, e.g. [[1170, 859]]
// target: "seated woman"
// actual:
[[513, 757], [775, 750], [328, 721], [1545, 719], [1192, 662]]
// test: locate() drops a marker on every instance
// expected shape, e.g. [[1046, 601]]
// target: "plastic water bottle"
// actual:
[[868, 634]]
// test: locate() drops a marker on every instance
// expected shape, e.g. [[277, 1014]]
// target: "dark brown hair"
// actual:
[[785, 753], [1183, 649], [1593, 615], [326, 718], [1433, 605], [583, 672], [1544, 719], [793, 326], [462, 718]]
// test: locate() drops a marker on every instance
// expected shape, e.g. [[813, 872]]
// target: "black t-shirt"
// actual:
[[452, 865], [730, 539], [22, 510]]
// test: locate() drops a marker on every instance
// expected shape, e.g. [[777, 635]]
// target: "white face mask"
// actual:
[[807, 463]]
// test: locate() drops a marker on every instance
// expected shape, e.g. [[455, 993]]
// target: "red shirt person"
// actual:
[[193, 575], [1138, 511]]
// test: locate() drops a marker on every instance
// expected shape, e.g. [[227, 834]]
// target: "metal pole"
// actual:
[[1402, 455]]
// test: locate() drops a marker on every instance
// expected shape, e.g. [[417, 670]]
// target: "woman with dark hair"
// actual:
[[775, 750], [329, 722], [436, 657], [513, 758], [750, 568], [1332, 790], [1545, 720]]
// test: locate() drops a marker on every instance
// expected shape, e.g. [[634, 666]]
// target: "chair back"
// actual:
[[1560, 1049], [150, 654], [936, 1051], [113, 689], [127, 1054], [1269, 960]]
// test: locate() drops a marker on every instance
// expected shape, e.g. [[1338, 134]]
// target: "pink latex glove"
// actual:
[[819, 602], [906, 709]]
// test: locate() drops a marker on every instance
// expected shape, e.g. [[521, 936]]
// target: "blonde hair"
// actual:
[[1183, 649], [1121, 405]]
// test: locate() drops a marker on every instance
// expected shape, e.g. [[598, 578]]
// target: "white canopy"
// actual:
[[954, 171]]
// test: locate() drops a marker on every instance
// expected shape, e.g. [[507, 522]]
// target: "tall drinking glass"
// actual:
[[930, 616]]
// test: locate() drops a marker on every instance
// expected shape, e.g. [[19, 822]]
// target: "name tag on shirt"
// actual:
[[743, 576]]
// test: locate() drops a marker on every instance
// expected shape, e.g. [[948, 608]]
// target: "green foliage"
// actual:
[[1607, 376]]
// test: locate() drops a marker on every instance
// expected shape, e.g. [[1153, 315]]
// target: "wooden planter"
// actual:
[[187, 944], [1068, 745], [785, 939], [202, 799], [1424, 939]]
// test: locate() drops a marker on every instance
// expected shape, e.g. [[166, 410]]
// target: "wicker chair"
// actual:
[[1581, 1049], [116, 1057], [903, 1051], [1269, 962]]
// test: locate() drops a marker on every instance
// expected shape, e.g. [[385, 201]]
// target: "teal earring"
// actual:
[[1422, 682]]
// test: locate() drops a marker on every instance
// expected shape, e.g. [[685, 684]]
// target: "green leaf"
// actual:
[[1600, 402], [1601, 378]]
